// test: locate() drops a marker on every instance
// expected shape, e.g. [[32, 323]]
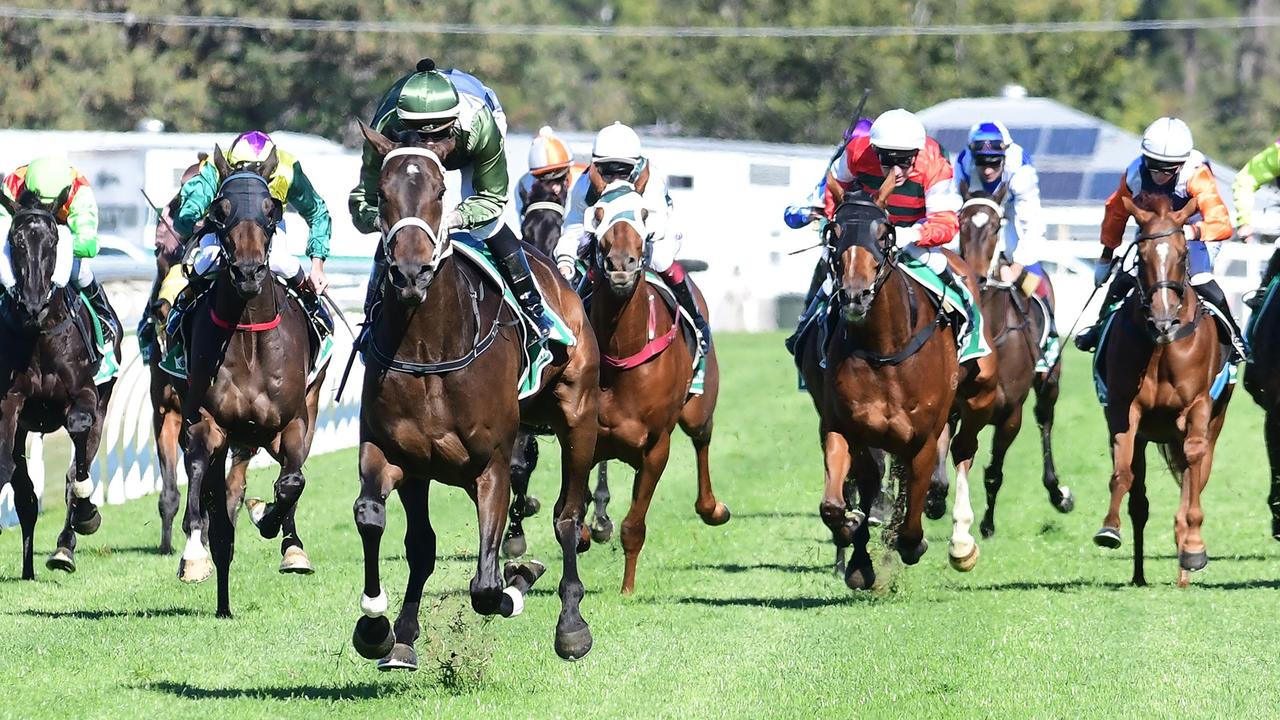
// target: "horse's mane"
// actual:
[[1158, 203]]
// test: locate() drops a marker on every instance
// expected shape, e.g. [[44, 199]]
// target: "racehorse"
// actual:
[[48, 366], [440, 403], [1017, 325], [1160, 359], [887, 379], [247, 343], [647, 367], [1262, 380]]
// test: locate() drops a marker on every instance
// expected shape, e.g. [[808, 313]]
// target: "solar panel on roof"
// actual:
[[1027, 137], [1072, 141], [1101, 185], [1060, 186], [952, 139]]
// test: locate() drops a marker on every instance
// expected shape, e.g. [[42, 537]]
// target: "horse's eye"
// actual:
[[440, 195]]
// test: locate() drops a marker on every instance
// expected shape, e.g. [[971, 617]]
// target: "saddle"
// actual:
[[91, 330]]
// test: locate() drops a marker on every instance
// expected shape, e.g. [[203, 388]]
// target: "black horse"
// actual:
[[47, 371]]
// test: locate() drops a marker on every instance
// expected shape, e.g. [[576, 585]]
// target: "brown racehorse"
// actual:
[[47, 369], [247, 376], [1017, 323], [645, 395], [440, 403], [890, 381], [1160, 360]]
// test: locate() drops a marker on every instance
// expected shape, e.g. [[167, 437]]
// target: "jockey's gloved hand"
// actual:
[[1245, 233], [566, 268], [454, 220], [1101, 272], [907, 235]]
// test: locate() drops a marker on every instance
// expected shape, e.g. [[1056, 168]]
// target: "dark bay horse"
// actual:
[[1159, 362], [1262, 380], [248, 350], [1017, 323], [890, 381], [645, 388], [440, 403], [48, 367]]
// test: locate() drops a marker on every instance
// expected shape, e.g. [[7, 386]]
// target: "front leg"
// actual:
[[373, 637], [84, 425], [1122, 447], [289, 486], [491, 494]]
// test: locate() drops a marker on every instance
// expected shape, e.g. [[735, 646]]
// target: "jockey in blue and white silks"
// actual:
[[992, 159]]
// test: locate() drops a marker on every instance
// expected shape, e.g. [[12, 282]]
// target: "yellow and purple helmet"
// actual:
[[254, 146]]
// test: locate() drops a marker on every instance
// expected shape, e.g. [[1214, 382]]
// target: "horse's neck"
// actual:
[[888, 325], [622, 324], [232, 308], [542, 230], [440, 328]]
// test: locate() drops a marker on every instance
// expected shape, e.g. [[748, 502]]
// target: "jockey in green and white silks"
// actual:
[[287, 184], [438, 104], [49, 177], [1261, 169], [616, 155]]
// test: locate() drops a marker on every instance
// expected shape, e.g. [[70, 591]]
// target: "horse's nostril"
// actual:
[[423, 270]]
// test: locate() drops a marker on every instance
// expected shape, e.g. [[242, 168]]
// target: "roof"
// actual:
[[80, 140]]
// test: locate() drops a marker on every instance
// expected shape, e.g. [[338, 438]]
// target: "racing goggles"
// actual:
[[615, 168], [989, 161], [897, 158], [434, 132], [987, 147], [1168, 168]]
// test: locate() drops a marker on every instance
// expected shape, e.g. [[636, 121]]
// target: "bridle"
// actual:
[[1177, 287], [882, 248], [997, 210], [25, 216], [628, 216], [242, 200], [442, 244]]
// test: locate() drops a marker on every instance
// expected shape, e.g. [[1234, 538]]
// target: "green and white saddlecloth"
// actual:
[[108, 368], [969, 337]]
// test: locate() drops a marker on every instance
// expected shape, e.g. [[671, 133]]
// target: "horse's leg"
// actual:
[[373, 636], [882, 508], [601, 523], [963, 549], [524, 459], [1271, 432], [911, 544], [712, 511], [577, 448], [837, 461], [935, 505], [420, 553], [491, 493], [1197, 454], [166, 423], [652, 464], [84, 426], [194, 566], [1139, 509], [1046, 388], [1006, 429], [206, 468], [860, 574], [25, 503], [290, 483], [1122, 449]]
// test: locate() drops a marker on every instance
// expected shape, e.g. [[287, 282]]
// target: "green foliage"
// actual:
[[77, 75]]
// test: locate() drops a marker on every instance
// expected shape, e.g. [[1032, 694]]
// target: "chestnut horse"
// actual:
[[440, 403], [48, 367], [248, 347], [890, 381], [1160, 359], [1017, 323], [645, 387]]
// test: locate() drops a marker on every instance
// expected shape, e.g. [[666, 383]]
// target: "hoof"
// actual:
[[61, 559], [1193, 561], [988, 529], [194, 571], [531, 506], [295, 561], [718, 516], [1107, 537], [935, 504], [967, 562], [573, 644], [874, 519], [1068, 502], [256, 507], [401, 657], [584, 539], [89, 524], [514, 546], [529, 571], [859, 579], [602, 530], [373, 638], [911, 556]]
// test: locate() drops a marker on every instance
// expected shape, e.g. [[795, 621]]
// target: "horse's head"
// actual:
[[544, 208], [1162, 260], [623, 242], [245, 215], [411, 205], [980, 219], [33, 251], [860, 245]]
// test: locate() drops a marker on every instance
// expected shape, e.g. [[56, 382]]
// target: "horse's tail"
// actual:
[[1168, 461]]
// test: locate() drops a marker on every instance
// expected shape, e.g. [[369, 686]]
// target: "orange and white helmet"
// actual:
[[548, 154]]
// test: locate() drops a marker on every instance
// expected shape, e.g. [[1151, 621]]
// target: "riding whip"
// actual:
[[857, 115], [159, 215]]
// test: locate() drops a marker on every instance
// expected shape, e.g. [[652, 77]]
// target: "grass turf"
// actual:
[[744, 620]]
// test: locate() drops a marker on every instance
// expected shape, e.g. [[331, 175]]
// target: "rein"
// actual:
[[917, 339]]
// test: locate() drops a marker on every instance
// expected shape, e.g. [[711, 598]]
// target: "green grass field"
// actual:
[[744, 620]]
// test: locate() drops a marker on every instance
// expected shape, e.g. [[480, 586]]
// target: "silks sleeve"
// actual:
[[82, 221], [1263, 168], [194, 199], [489, 179], [304, 198]]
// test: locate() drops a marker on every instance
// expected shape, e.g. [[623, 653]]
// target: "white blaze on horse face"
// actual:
[[1162, 252], [979, 220], [962, 541], [413, 169]]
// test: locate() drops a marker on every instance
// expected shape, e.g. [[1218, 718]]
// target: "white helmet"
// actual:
[[1167, 140], [898, 129], [616, 143]]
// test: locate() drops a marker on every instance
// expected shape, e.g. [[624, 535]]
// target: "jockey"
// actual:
[[991, 160], [1262, 168], [287, 184], [428, 102], [49, 177], [923, 207], [616, 155], [550, 160], [1169, 164]]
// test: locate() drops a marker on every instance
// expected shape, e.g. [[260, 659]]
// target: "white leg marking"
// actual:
[[195, 548], [961, 515], [374, 607], [82, 488], [517, 601]]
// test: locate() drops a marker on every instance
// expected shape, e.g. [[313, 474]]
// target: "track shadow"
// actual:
[[1054, 586], [356, 691], [739, 568], [780, 515], [1240, 585], [108, 550], [105, 614], [780, 603]]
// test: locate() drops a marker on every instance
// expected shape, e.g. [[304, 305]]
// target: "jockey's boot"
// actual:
[[97, 298], [684, 295], [310, 301], [1254, 300], [820, 273], [372, 298], [515, 266], [146, 335], [1212, 293], [196, 286], [1121, 283]]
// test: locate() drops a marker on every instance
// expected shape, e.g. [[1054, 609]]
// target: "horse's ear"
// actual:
[[201, 156], [1191, 208], [381, 143], [599, 216], [28, 199], [886, 189], [596, 180], [8, 204], [220, 162], [1140, 214], [270, 165], [643, 181], [276, 210]]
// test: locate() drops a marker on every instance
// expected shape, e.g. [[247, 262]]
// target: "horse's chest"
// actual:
[[882, 409]]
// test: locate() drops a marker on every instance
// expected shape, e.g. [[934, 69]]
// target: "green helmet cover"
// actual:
[[427, 98], [48, 177]]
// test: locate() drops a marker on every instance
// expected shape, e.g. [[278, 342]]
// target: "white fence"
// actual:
[[127, 467]]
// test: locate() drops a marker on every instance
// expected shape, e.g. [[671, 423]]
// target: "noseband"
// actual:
[[1178, 287], [442, 244]]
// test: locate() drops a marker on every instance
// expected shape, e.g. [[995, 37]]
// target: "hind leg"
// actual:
[[524, 459], [26, 504], [1006, 429], [963, 548], [373, 637], [166, 424], [1197, 456], [1271, 431], [712, 511], [910, 543], [84, 426], [206, 467], [1046, 389], [860, 574], [935, 505], [420, 553], [1122, 454], [601, 523], [1139, 510], [653, 462], [577, 448]]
